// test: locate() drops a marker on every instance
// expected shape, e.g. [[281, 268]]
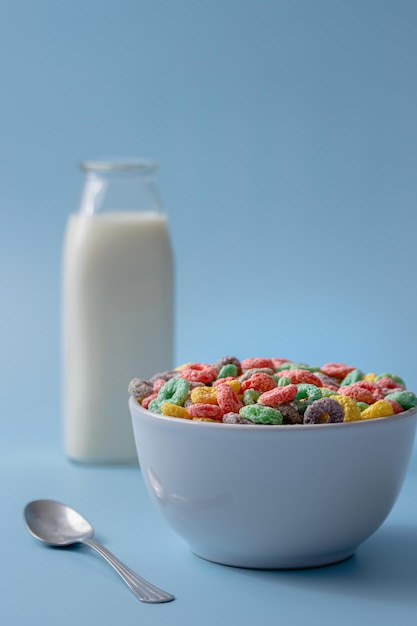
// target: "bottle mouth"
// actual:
[[120, 165]]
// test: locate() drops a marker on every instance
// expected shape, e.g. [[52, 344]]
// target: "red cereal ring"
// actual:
[[213, 411], [158, 384], [357, 393], [227, 399], [248, 364], [277, 396], [146, 401], [336, 370], [221, 381], [259, 381], [297, 376], [388, 383], [377, 393], [395, 405], [199, 372]]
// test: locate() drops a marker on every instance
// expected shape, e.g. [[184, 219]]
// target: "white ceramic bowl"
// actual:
[[273, 496]]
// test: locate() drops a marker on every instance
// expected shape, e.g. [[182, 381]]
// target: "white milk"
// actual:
[[117, 325]]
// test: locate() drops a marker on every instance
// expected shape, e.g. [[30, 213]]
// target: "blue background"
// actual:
[[287, 137]]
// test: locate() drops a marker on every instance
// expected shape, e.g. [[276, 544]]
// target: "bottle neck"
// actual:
[[119, 186]]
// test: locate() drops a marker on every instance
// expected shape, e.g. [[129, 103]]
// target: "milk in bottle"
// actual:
[[117, 307]]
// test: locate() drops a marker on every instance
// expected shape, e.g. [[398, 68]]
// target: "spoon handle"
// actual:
[[143, 590]]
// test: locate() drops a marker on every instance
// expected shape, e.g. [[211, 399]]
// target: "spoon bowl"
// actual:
[[58, 525]]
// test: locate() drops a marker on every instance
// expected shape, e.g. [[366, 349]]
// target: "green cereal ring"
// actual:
[[308, 392], [175, 391], [283, 381], [393, 377], [405, 398], [352, 377], [362, 405], [261, 414], [230, 369], [154, 406], [290, 365], [326, 393], [250, 396]]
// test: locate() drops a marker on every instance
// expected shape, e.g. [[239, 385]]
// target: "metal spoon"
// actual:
[[57, 524]]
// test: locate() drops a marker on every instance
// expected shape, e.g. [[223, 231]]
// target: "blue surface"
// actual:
[[286, 133]]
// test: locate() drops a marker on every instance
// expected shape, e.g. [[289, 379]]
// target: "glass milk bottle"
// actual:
[[117, 306]]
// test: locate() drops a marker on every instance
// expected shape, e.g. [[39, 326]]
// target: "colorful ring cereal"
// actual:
[[323, 411], [301, 376], [227, 399], [278, 395], [199, 372], [248, 364], [272, 391], [351, 410], [405, 398], [259, 381], [213, 411], [336, 370], [261, 414], [307, 392], [380, 408]]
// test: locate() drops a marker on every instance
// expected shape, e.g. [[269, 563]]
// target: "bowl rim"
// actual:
[[138, 409]]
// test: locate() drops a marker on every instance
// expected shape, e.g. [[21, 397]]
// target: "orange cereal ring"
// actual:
[[259, 381], [248, 364], [336, 370], [381, 408], [297, 376], [212, 411], [199, 372], [277, 396], [228, 400]]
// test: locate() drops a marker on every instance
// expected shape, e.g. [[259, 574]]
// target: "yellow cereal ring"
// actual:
[[370, 377], [381, 408], [173, 410], [234, 384], [204, 395], [351, 410], [204, 419]]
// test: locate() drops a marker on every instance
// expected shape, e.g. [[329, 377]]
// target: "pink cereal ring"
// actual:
[[248, 364], [277, 396], [336, 370], [227, 399], [212, 411], [260, 382], [357, 393], [158, 384], [221, 381], [148, 399], [199, 373], [397, 407], [388, 383], [297, 376], [377, 393]]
